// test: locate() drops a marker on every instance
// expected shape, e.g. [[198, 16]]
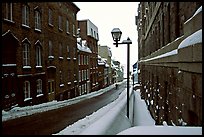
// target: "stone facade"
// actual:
[[170, 73]]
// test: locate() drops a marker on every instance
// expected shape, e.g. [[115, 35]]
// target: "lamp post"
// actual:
[[116, 34]]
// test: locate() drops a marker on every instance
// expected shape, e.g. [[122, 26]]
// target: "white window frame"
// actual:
[[26, 54], [25, 15]]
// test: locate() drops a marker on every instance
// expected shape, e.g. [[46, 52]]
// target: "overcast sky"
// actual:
[[109, 15]]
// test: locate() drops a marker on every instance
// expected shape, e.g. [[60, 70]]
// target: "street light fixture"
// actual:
[[116, 34]]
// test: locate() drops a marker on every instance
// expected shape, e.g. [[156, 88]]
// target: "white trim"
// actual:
[[8, 65], [26, 67], [61, 57], [38, 66], [39, 95], [26, 99], [9, 20], [24, 25], [24, 75], [38, 41], [61, 85], [37, 30], [51, 67], [11, 34], [27, 40]]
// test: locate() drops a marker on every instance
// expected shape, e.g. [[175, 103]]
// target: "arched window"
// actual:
[[39, 86], [25, 15], [26, 54], [26, 89]]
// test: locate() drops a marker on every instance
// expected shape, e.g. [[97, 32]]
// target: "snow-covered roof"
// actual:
[[81, 45]]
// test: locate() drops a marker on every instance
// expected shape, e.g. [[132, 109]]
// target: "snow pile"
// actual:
[[162, 130], [142, 116]]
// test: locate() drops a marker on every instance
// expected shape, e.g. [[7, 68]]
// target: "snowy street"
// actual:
[[56, 115]]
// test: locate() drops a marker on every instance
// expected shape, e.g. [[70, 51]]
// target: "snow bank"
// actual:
[[142, 116], [162, 130], [114, 121]]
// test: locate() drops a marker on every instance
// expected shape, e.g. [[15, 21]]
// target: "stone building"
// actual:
[[38, 52], [170, 60], [89, 32], [84, 54], [105, 52], [102, 72]]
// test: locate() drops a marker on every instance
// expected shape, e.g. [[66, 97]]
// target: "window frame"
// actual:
[[9, 11], [25, 15], [39, 87], [26, 90], [26, 54], [38, 56], [38, 20], [50, 17]]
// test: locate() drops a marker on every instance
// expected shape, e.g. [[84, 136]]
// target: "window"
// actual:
[[60, 51], [74, 31], [37, 20], [79, 76], [68, 52], [74, 53], [60, 23], [9, 12], [91, 32], [25, 15], [26, 54], [38, 56], [50, 86], [50, 17], [67, 26], [26, 89], [39, 86], [79, 59], [50, 50]]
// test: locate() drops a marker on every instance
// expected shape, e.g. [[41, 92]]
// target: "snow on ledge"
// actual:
[[192, 39], [198, 11]]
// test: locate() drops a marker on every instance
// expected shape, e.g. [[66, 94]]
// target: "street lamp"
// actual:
[[116, 34]]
